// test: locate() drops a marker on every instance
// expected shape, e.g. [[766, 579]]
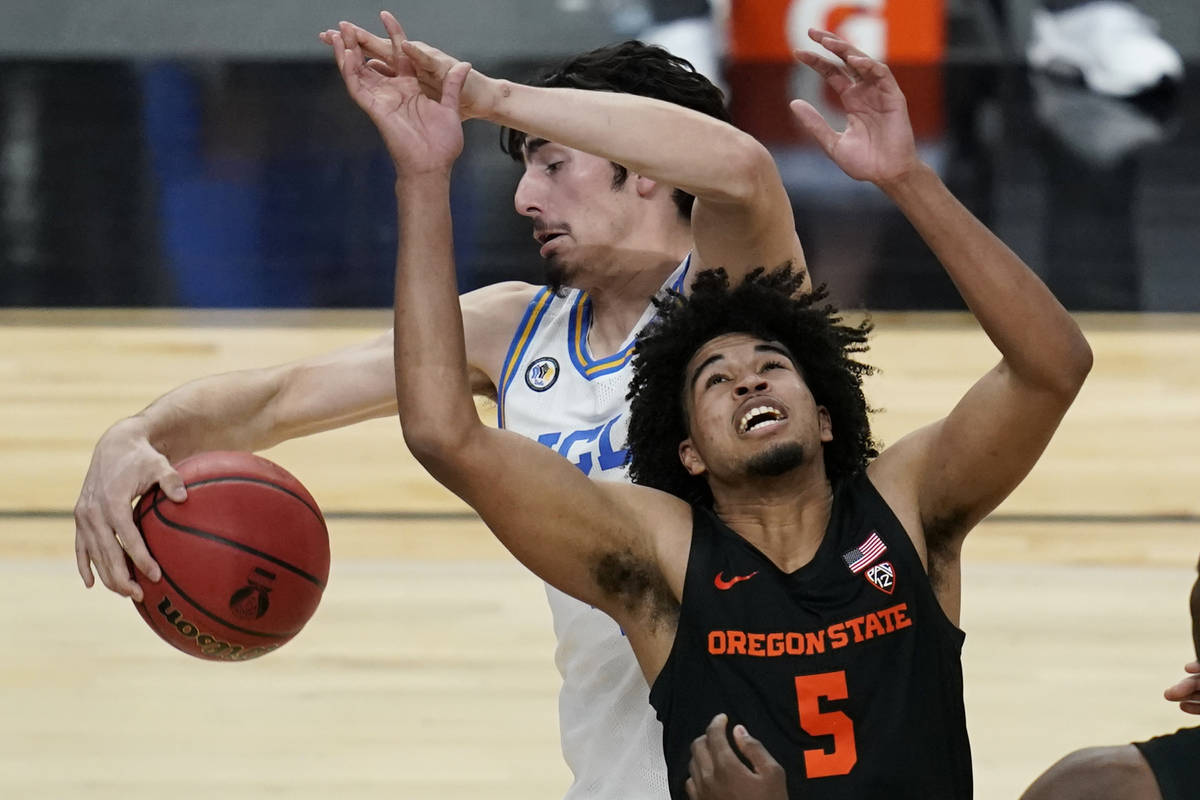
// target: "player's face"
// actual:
[[579, 219], [750, 411]]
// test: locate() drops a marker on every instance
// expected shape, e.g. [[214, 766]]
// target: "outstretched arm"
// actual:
[[556, 521], [742, 217], [952, 473]]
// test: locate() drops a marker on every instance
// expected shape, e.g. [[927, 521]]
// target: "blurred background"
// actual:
[[159, 159], [206, 155]]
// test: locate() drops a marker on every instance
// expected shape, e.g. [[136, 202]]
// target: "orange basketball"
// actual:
[[244, 559]]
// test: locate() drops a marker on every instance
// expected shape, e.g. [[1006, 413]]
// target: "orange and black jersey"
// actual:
[[847, 669]]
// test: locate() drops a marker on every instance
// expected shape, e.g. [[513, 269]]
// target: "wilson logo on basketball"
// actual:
[[209, 645], [251, 601]]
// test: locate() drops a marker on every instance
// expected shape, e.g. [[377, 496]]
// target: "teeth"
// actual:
[[773, 415]]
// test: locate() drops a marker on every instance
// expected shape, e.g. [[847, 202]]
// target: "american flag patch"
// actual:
[[861, 557]]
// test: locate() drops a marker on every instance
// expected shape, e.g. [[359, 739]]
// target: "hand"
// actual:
[[1187, 691], [716, 772], [422, 135], [878, 144], [427, 63], [124, 466]]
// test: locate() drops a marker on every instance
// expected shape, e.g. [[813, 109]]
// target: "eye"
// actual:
[[553, 167], [714, 379], [773, 365]]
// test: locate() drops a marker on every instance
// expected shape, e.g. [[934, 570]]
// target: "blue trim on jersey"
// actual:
[[520, 343], [581, 322]]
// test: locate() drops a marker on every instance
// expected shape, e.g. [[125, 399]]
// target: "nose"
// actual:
[[748, 384], [527, 198]]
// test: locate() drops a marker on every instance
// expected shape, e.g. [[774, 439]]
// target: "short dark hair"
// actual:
[[631, 67], [766, 305]]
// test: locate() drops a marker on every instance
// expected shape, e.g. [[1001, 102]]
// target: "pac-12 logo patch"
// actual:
[[541, 374], [882, 576]]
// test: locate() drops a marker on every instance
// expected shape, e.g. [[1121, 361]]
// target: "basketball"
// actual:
[[244, 559]]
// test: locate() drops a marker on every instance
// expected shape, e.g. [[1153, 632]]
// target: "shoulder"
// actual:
[[490, 316], [498, 303]]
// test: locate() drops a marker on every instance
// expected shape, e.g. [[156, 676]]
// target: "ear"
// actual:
[[825, 423], [645, 186], [690, 458]]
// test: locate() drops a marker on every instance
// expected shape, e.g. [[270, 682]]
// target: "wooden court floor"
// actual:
[[427, 671]]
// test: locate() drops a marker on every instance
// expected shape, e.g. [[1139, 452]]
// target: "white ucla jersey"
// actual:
[[554, 391]]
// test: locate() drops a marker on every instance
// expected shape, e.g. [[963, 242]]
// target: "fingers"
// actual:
[[452, 86], [382, 67], [753, 750], [422, 54], [82, 561], [812, 121], [690, 787], [392, 26], [349, 57], [858, 65], [96, 542], [838, 78], [834, 43], [701, 766]]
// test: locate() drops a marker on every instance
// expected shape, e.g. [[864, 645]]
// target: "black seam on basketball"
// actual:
[[245, 548], [215, 618], [158, 495], [260, 482]]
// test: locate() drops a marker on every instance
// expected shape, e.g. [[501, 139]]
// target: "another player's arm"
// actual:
[[566, 528], [556, 521], [944, 478], [742, 217], [252, 410]]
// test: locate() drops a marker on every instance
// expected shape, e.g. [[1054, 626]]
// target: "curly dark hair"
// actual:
[[631, 67], [767, 305]]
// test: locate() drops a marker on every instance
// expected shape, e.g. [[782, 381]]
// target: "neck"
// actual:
[[784, 517], [620, 293]]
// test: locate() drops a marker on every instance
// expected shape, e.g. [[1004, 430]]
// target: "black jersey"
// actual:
[[847, 669], [1173, 759]]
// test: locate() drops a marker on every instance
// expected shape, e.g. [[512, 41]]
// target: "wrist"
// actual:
[[909, 179], [483, 95], [418, 183]]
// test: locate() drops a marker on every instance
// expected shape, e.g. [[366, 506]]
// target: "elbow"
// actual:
[[1081, 361], [433, 443], [1073, 367], [750, 168]]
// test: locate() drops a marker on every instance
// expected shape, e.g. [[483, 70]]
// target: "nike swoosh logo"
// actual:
[[723, 584]]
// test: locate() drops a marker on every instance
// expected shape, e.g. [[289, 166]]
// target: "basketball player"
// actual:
[[770, 565], [558, 366], [1162, 768]]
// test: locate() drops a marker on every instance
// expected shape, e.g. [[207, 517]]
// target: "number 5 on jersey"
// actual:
[[809, 690]]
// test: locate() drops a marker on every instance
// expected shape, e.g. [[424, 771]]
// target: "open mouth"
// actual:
[[760, 417], [546, 238]]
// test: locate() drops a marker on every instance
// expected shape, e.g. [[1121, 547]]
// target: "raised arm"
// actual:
[[557, 522], [742, 217], [949, 475]]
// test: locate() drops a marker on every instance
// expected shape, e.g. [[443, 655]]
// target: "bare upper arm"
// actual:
[[490, 318], [358, 382], [612, 545], [944, 478], [753, 227]]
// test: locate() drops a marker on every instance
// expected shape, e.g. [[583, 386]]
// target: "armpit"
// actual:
[[638, 585]]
